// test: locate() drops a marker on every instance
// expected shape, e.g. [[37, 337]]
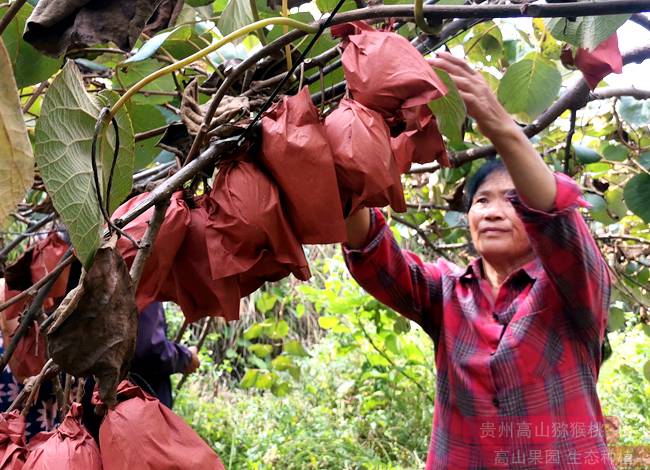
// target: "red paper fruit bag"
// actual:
[[190, 282], [29, 356], [366, 170], [12, 441], [603, 60], [46, 255], [141, 433], [297, 155], [158, 266], [70, 447], [421, 141], [248, 234], [384, 71]]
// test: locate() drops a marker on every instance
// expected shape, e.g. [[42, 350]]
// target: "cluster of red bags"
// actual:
[[34, 264], [213, 250], [359, 152], [139, 432]]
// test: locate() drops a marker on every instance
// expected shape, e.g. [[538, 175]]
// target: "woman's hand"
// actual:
[[481, 103], [532, 178]]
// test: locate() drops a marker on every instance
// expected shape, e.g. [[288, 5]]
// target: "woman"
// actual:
[[518, 332]]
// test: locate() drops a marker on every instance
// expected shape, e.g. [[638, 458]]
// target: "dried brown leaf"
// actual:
[[96, 325]]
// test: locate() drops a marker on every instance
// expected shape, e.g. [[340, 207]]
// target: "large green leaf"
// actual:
[[637, 195], [486, 43], [587, 31], [30, 66], [449, 110], [16, 156], [136, 72], [633, 111], [530, 86], [237, 14], [63, 140]]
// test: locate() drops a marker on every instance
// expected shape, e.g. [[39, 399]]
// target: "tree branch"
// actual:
[[27, 320], [11, 13], [575, 98], [36, 287], [16, 241], [614, 92], [146, 244]]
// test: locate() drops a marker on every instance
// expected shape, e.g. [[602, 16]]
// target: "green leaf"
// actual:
[[16, 155], [530, 85], [295, 348], [615, 152], [328, 322], [249, 379], [615, 201], [280, 330], [265, 302], [449, 110], [586, 154], [150, 47], [598, 209], [63, 140], [633, 111], [587, 31], [402, 325], [30, 66], [616, 319], [644, 160], [637, 195], [237, 14], [261, 350], [486, 43], [282, 363], [254, 331], [280, 389], [300, 310], [145, 118], [646, 370], [136, 72]]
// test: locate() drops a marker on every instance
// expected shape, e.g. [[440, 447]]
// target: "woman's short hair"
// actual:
[[492, 165]]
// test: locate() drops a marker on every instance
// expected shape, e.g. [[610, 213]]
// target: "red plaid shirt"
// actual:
[[516, 374]]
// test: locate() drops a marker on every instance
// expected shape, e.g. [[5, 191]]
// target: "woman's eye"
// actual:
[[481, 200]]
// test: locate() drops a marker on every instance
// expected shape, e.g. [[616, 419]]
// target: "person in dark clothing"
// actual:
[[156, 357]]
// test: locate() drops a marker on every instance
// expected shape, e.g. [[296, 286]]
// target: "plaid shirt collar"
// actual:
[[533, 269]]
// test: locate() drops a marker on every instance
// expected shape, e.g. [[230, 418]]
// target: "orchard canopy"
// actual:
[[169, 134]]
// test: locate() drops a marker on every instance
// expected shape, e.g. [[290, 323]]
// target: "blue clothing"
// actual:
[[156, 357], [42, 415]]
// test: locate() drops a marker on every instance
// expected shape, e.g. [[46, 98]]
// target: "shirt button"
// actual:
[[495, 402]]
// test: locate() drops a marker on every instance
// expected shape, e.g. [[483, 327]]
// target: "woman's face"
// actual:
[[497, 232]]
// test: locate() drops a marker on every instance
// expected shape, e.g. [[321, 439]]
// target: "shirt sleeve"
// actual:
[[153, 351], [396, 277], [570, 256]]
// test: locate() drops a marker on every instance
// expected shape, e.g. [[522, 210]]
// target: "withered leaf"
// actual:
[[96, 324], [192, 113], [56, 26]]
